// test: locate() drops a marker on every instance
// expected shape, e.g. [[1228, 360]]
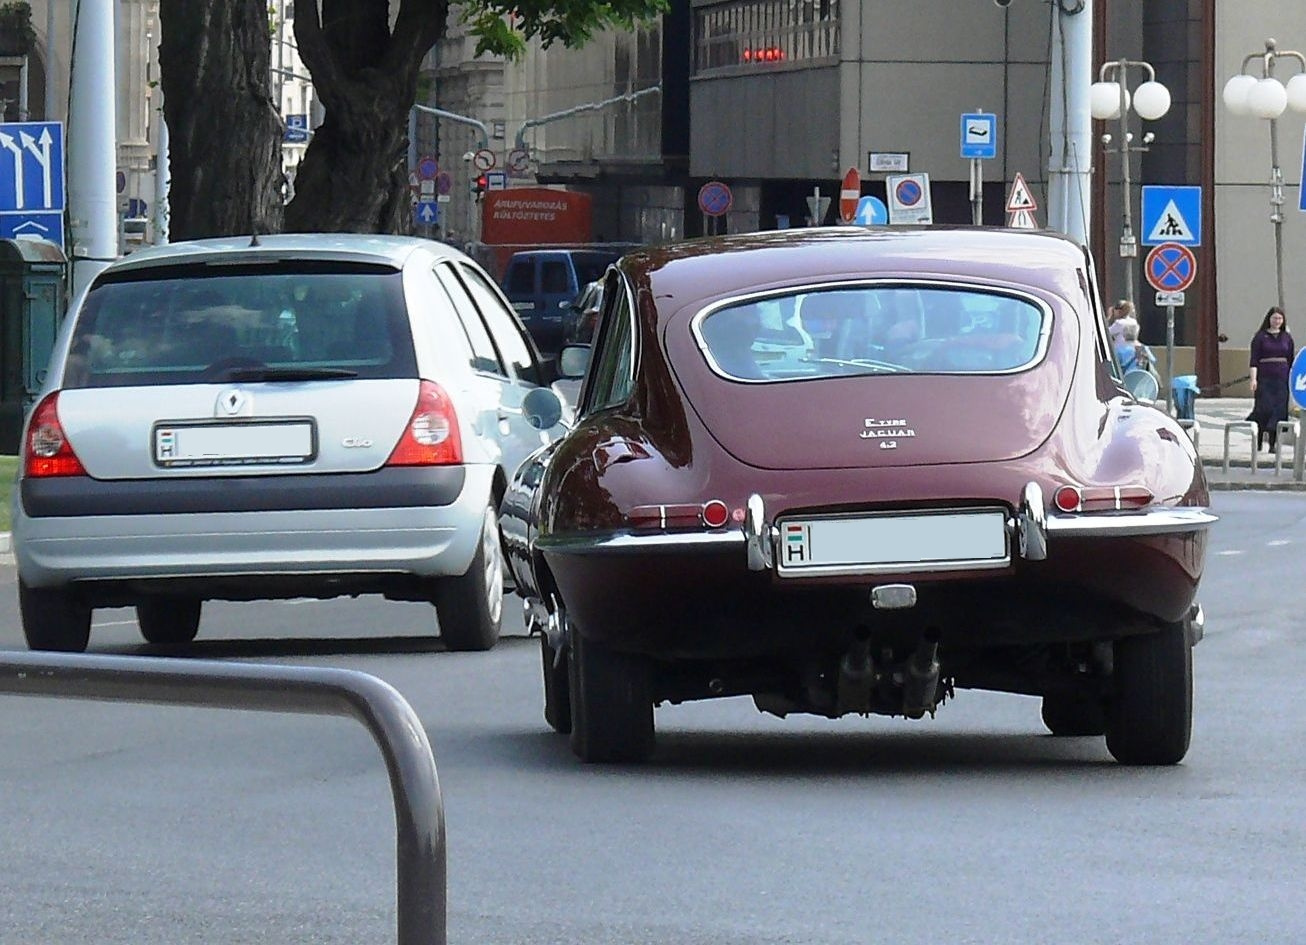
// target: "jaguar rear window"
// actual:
[[873, 329], [214, 323]]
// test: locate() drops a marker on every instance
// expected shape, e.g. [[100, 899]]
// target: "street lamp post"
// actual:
[[1267, 97], [1109, 98]]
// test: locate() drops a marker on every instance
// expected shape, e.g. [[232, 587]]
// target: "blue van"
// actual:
[[538, 283]]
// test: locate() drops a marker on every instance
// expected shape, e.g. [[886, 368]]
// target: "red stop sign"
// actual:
[[849, 194]]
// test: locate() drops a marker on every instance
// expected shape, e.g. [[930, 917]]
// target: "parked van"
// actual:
[[538, 282]]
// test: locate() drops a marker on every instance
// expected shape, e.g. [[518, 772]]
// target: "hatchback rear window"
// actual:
[[197, 324], [873, 329]]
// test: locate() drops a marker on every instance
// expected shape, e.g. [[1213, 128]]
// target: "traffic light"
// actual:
[[479, 185]]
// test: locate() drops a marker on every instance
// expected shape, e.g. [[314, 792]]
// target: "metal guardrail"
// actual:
[[419, 810]]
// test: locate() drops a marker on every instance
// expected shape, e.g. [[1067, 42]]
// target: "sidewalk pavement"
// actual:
[[1212, 414]]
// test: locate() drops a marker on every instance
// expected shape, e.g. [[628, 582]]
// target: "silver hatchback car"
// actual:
[[287, 416]]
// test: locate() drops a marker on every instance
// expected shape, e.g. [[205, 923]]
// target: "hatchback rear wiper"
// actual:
[[250, 374]]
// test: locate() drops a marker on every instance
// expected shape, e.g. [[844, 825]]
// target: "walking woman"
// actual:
[[1272, 353]]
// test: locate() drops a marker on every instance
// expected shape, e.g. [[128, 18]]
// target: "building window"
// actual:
[[757, 34]]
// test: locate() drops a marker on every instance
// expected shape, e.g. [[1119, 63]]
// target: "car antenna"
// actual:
[[253, 240]]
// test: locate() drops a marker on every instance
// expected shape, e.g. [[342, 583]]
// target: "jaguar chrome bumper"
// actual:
[[1033, 525]]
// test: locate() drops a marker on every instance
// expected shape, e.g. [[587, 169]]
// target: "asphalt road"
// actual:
[[161, 826]]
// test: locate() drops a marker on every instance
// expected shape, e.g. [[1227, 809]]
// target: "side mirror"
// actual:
[[541, 408], [574, 361]]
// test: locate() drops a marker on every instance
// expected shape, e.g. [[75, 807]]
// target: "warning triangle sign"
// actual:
[[1171, 227], [1022, 220], [1020, 197]]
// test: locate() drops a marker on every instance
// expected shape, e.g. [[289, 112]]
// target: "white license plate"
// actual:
[[893, 542], [234, 444]]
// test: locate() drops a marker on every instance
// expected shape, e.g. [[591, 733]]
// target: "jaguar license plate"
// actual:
[[234, 444], [888, 543]]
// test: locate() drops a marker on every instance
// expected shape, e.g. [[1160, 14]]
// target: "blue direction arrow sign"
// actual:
[[31, 180], [1297, 379], [979, 135], [871, 211], [426, 212]]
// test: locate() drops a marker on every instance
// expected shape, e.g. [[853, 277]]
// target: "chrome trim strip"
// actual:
[[909, 567], [627, 543], [1167, 521]]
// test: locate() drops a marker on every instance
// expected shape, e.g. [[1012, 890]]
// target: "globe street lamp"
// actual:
[[1267, 97], [1109, 98]]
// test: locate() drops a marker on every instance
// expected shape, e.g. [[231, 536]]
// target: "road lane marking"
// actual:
[[1233, 551]]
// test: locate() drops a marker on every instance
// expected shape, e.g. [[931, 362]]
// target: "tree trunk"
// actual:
[[224, 132], [354, 176]]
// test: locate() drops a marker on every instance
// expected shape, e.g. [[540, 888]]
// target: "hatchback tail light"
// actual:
[[46, 450], [431, 437]]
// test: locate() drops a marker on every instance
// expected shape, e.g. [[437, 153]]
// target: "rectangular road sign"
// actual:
[[1172, 215], [979, 135], [32, 180], [426, 212], [1169, 298]]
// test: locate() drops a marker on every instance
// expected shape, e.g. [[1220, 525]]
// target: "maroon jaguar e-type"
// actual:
[[856, 470]]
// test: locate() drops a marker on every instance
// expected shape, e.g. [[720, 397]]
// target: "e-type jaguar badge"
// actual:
[[888, 432]]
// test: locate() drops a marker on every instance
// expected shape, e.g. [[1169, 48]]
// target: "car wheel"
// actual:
[[611, 703], [1073, 715], [1150, 712], [169, 620], [557, 689], [54, 619], [470, 608]]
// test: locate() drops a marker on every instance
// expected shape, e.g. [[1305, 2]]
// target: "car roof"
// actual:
[[719, 267], [346, 247]]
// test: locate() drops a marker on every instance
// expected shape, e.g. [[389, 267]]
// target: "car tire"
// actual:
[[1073, 715], [169, 620], [470, 607], [54, 619], [557, 688], [611, 703], [1150, 712]]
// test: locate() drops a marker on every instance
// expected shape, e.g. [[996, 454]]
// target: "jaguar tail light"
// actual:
[[1101, 498], [46, 450], [431, 437], [711, 514]]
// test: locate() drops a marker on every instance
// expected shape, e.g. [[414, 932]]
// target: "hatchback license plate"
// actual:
[[234, 444], [893, 542]]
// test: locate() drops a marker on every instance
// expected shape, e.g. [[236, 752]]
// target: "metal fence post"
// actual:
[[394, 726]]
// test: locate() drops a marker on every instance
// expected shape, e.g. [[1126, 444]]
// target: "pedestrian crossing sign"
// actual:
[[1172, 215]]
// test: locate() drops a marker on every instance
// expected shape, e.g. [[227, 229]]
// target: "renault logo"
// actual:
[[233, 403]]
